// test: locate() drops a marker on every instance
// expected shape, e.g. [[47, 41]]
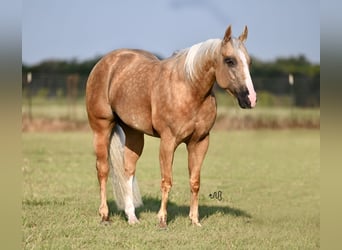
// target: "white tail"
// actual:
[[121, 187]]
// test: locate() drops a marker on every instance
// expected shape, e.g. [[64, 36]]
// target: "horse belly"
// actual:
[[139, 119], [133, 109]]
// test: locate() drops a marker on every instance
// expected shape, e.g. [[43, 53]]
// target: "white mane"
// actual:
[[195, 55]]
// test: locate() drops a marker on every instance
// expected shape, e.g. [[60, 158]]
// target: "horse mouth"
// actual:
[[242, 97]]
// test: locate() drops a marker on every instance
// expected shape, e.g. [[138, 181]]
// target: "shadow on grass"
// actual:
[[153, 204]]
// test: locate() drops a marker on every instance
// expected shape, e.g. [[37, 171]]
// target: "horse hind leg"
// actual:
[[133, 148], [102, 129]]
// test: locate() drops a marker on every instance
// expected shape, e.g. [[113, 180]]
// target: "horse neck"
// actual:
[[203, 80], [206, 82]]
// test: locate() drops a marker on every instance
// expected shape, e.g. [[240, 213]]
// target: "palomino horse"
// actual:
[[131, 93]]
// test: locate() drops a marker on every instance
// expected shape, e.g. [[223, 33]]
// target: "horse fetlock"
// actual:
[[162, 224], [104, 218], [130, 212], [162, 220], [103, 212], [194, 220]]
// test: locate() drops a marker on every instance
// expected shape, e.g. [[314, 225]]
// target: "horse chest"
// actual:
[[186, 119], [205, 117]]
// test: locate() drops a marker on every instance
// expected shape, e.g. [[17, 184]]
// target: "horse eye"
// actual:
[[230, 61]]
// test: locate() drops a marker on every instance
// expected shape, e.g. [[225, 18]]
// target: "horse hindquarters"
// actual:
[[107, 142]]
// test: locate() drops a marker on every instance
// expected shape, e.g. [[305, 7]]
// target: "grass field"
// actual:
[[269, 182]]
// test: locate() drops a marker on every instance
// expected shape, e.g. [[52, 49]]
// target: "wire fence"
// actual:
[[278, 91]]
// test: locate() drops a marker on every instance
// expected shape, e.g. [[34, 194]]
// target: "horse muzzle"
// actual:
[[246, 100]]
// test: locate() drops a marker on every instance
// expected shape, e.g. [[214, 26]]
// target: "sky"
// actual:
[[85, 29]]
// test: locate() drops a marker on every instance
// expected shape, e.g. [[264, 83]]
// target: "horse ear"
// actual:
[[243, 36], [228, 34]]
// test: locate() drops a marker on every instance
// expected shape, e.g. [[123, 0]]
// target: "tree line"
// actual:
[[269, 78]]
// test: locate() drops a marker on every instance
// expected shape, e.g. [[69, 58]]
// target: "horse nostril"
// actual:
[[244, 93]]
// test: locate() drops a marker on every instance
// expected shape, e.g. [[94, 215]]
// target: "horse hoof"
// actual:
[[105, 222], [162, 225], [197, 224], [133, 221]]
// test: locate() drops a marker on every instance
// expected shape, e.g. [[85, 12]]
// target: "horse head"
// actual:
[[232, 70]]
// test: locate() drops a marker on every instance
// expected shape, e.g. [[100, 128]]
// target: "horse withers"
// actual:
[[131, 93]]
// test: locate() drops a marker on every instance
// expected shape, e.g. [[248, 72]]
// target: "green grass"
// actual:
[[269, 182], [55, 108]]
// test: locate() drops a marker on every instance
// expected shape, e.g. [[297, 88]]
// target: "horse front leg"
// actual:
[[167, 148], [196, 154]]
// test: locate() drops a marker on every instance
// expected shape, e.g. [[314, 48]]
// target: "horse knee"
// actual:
[[102, 173], [102, 169], [130, 171], [194, 186], [101, 150], [166, 185]]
